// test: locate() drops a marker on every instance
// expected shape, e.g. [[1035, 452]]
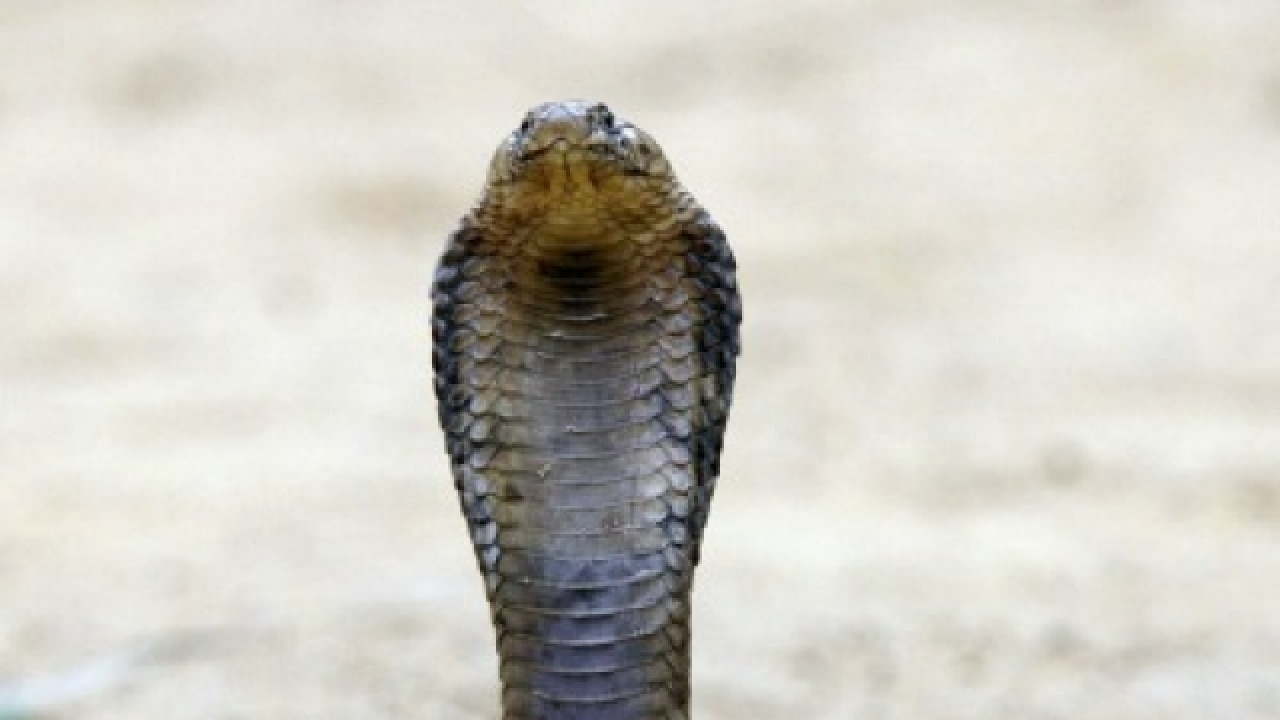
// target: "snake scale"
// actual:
[[585, 331]]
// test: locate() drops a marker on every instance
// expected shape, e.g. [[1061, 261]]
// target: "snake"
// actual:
[[585, 333]]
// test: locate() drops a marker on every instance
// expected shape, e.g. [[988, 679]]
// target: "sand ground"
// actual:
[[1007, 438]]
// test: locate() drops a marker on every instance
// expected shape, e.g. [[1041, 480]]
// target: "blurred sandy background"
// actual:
[[1007, 438]]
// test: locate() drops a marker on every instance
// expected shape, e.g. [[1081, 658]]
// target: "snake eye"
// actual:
[[526, 124], [604, 115]]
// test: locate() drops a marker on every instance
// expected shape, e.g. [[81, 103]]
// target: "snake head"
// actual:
[[576, 148]]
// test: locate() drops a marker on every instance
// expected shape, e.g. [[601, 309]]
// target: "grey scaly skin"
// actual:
[[585, 334]]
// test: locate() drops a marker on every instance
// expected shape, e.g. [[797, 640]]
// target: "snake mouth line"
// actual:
[[564, 146]]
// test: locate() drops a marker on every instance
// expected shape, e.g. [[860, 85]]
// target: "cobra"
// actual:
[[586, 329]]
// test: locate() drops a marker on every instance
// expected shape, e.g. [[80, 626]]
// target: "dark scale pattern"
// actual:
[[584, 387]]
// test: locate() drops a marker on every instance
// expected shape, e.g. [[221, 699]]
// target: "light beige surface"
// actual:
[[1007, 438]]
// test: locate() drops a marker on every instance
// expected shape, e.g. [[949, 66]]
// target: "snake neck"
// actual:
[[590, 589]]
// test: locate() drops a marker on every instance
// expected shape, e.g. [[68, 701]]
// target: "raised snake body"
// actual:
[[585, 334]]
